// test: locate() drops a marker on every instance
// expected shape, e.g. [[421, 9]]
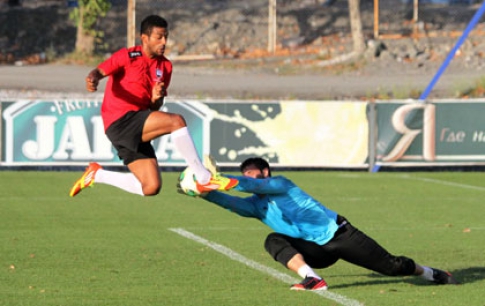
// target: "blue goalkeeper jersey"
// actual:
[[281, 205]]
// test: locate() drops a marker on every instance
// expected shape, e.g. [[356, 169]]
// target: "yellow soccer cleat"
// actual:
[[86, 180], [217, 182]]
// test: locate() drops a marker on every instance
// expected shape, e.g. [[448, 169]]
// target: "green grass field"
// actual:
[[108, 247]]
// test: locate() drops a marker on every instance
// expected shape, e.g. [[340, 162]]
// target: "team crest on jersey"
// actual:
[[133, 54]]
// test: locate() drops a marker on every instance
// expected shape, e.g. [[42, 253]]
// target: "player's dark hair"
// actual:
[[260, 163], [150, 22]]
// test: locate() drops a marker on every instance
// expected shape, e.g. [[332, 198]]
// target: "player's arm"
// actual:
[[241, 206], [159, 91], [270, 185], [93, 78]]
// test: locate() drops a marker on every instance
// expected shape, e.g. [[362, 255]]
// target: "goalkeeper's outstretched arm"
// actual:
[[241, 206]]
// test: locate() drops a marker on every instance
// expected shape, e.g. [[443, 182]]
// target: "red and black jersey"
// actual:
[[132, 76]]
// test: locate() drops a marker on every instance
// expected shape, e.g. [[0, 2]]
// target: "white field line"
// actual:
[[342, 300], [443, 182]]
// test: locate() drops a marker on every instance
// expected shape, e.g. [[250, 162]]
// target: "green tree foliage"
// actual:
[[85, 16]]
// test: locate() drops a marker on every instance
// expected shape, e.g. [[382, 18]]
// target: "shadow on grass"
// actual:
[[463, 276], [469, 275]]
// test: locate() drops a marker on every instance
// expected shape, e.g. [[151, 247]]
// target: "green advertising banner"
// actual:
[[63, 132], [433, 133], [287, 133]]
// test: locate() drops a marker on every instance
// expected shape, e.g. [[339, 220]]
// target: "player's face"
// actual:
[[154, 45], [254, 172]]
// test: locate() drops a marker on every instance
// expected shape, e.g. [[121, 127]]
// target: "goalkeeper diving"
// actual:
[[307, 235]]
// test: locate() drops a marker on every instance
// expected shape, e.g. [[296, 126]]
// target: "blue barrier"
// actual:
[[448, 59]]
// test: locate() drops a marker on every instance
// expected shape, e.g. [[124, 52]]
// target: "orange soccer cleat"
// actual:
[[86, 180], [217, 182]]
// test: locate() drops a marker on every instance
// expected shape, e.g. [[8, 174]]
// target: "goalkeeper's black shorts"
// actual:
[[348, 243]]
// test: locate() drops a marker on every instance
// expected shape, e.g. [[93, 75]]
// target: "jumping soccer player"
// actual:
[[138, 80]]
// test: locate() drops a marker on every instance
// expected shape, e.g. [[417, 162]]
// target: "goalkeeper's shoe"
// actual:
[[217, 182], [443, 277], [310, 283], [86, 180]]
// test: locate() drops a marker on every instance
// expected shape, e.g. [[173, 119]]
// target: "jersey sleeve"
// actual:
[[114, 62], [240, 206]]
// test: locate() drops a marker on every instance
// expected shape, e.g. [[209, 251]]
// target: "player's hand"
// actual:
[[158, 92], [91, 84], [92, 80]]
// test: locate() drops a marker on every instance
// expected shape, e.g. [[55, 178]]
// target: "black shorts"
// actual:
[[125, 135], [348, 243]]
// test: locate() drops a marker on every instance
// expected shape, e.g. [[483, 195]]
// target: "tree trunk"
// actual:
[[356, 26], [84, 41]]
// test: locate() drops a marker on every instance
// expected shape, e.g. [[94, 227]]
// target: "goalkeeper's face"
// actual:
[[254, 172]]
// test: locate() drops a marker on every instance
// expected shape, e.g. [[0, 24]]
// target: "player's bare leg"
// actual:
[[147, 172], [161, 123]]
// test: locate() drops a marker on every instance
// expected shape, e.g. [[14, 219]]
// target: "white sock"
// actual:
[[126, 181], [305, 271], [427, 274], [185, 145]]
